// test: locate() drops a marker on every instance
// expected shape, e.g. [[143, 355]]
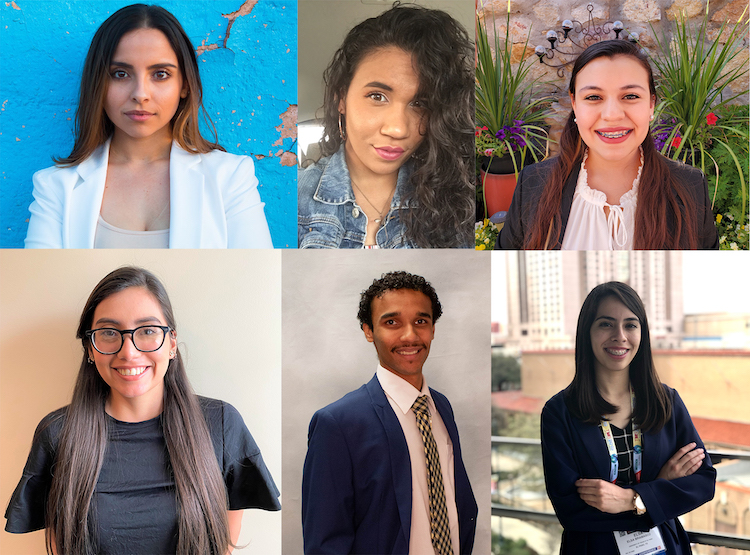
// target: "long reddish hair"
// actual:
[[659, 193]]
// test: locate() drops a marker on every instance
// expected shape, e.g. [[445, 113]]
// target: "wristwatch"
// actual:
[[640, 508]]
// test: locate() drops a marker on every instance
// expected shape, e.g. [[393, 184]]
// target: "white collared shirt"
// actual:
[[589, 227], [401, 395]]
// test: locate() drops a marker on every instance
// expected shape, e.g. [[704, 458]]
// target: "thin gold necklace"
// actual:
[[387, 202]]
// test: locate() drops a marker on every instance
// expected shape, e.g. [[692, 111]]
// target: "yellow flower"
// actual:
[[718, 218], [481, 247]]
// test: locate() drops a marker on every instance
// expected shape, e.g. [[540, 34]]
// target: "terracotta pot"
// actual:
[[498, 191]]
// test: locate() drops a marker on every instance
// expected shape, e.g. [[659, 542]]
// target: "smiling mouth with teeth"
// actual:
[[617, 352], [616, 135], [131, 371]]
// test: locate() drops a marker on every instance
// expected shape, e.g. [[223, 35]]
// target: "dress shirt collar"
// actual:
[[402, 392]]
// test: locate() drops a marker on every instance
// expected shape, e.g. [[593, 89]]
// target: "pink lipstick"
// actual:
[[389, 153]]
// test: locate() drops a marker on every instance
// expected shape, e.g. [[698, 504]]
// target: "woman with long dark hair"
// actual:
[[141, 175], [622, 459], [609, 189], [397, 167], [137, 463]]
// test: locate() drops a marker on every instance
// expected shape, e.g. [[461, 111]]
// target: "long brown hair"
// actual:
[[201, 493], [442, 203], [92, 125], [659, 192], [653, 407]]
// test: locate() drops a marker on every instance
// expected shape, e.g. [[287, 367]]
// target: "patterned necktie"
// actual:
[[439, 531]]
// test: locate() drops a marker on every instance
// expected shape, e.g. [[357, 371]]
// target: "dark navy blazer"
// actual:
[[572, 449], [356, 486]]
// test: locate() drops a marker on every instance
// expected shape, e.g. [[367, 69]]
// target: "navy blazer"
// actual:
[[533, 178], [356, 485], [572, 449]]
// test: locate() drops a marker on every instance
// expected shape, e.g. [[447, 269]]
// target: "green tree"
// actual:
[[506, 372]]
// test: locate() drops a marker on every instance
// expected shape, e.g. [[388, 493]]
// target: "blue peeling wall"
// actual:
[[249, 89]]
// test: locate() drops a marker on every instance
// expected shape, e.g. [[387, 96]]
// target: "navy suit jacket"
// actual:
[[533, 178], [356, 486], [572, 449]]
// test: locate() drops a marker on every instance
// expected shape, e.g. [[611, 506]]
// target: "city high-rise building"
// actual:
[[546, 291]]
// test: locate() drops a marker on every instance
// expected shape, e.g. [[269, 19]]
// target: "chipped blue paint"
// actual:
[[44, 46]]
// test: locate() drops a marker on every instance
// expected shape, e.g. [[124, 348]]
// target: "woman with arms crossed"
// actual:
[[137, 463], [398, 165], [620, 451], [141, 175], [609, 189]]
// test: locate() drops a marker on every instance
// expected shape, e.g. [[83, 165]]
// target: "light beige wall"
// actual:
[[712, 385], [228, 310]]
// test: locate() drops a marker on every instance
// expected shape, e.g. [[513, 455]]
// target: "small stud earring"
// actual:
[[91, 361], [652, 117], [171, 354], [575, 120], [341, 128]]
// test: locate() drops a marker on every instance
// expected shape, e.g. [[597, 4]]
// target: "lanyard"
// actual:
[[614, 464]]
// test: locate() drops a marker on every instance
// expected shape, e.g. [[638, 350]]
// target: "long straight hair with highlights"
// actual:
[[442, 202], [659, 193], [92, 125], [201, 493], [653, 407]]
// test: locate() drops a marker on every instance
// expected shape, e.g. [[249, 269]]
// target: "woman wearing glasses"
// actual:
[[137, 462]]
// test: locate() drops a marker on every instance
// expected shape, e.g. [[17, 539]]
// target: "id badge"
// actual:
[[640, 543]]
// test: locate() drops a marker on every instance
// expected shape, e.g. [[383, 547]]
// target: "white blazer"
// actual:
[[214, 202]]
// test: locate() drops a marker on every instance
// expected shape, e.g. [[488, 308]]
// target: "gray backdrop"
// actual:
[[325, 355]]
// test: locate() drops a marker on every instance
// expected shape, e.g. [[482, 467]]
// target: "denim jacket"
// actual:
[[328, 215]]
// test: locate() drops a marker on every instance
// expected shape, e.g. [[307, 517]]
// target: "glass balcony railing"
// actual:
[[523, 517]]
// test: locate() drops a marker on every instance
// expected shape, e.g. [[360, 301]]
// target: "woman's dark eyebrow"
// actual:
[[153, 66], [379, 85], [146, 320], [595, 88], [634, 319]]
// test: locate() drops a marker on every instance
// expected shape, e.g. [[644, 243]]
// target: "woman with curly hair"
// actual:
[[609, 188], [397, 165]]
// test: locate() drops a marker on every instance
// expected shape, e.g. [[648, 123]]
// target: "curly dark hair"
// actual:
[[442, 200], [393, 281]]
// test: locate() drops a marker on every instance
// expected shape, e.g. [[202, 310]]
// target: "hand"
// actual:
[[683, 463], [605, 496]]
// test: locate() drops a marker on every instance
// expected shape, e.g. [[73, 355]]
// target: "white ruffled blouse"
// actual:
[[589, 227]]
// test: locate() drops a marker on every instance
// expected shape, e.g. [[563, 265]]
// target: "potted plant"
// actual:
[[508, 134], [694, 122]]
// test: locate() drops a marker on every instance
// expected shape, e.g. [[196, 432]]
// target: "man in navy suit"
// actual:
[[369, 460]]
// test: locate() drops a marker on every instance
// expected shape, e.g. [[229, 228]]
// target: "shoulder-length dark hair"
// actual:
[[659, 193], [92, 125], [653, 407], [201, 493], [443, 205]]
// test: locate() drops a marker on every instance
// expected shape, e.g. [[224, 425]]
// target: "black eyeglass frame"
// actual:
[[165, 329]]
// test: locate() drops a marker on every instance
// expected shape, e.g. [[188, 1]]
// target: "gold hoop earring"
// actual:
[[341, 129]]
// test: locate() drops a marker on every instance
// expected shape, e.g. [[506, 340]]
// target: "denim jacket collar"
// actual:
[[336, 172]]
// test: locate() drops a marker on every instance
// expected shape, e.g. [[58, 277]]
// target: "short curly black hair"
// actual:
[[393, 281]]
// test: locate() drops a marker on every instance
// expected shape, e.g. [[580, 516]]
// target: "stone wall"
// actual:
[[537, 17]]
